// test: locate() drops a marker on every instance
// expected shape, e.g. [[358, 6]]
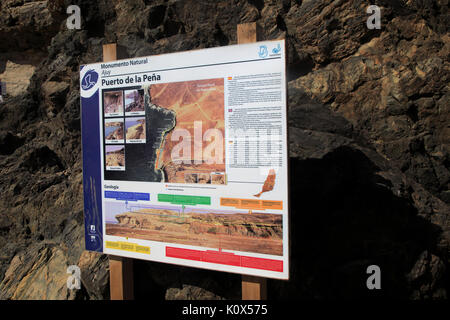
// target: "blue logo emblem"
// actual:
[[89, 80], [277, 49], [262, 51]]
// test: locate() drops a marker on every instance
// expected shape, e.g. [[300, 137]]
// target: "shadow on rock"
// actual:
[[344, 217], [159, 281]]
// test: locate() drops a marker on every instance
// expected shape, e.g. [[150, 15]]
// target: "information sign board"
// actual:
[[185, 158]]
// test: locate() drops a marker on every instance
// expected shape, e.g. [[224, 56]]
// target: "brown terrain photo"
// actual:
[[114, 130], [218, 179], [113, 102], [202, 101], [256, 232], [134, 100], [135, 128], [204, 178], [115, 156]]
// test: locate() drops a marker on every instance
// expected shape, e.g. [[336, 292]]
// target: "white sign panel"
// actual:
[[185, 158]]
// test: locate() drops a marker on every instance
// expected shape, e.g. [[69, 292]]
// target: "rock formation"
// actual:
[[369, 137], [258, 225], [230, 231], [137, 131], [117, 134], [114, 159]]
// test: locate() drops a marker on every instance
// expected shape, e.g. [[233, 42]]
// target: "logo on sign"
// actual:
[[262, 51], [277, 49], [89, 80]]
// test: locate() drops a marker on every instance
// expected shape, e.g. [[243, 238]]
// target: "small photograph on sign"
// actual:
[[190, 178], [115, 158], [135, 130], [113, 103], [114, 132], [198, 107], [204, 178], [134, 102], [218, 178]]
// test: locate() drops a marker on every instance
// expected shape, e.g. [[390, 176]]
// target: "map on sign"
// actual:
[[192, 102], [185, 158]]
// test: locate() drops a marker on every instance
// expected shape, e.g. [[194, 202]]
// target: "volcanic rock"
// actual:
[[368, 128]]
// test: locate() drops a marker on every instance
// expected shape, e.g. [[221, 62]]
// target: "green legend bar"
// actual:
[[181, 199]]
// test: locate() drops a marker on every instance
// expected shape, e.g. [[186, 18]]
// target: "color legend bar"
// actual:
[[251, 204], [182, 199], [127, 246], [225, 258]]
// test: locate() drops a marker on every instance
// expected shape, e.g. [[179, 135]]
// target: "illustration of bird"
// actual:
[[277, 49], [87, 82]]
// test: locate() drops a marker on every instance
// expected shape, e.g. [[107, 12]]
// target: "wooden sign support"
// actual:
[[121, 280], [121, 269], [253, 288]]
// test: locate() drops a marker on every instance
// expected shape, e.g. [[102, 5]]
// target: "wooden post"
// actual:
[[121, 278], [120, 269], [247, 32], [253, 288], [109, 52]]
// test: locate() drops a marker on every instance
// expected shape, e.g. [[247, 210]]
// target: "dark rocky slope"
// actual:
[[369, 143]]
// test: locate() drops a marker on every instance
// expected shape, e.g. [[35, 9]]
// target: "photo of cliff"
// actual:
[[257, 232], [115, 156], [114, 130], [369, 144], [134, 100], [218, 178], [135, 128], [113, 102]]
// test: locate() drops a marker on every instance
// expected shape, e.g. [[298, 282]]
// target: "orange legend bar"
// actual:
[[251, 204], [268, 204]]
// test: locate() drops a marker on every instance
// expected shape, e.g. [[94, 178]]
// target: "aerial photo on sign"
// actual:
[[198, 107]]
